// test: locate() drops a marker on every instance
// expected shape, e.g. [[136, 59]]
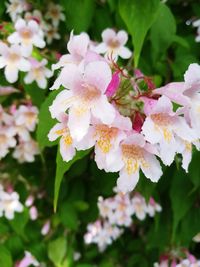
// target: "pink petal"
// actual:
[[98, 74], [113, 85]]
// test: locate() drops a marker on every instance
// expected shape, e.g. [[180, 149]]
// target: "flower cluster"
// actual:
[[115, 212], [19, 54], [15, 128], [9, 203], [48, 22], [185, 260], [129, 122]]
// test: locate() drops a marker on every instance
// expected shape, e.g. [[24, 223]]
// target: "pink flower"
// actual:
[[85, 98], [164, 127], [106, 138], [174, 91], [113, 44], [77, 47], [134, 154]]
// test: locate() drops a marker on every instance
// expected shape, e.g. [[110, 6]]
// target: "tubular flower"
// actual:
[[85, 98]]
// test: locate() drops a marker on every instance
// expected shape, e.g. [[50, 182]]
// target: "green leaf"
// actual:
[[181, 199], [37, 94], [138, 16], [81, 205], [2, 8], [61, 168], [5, 257], [68, 216], [46, 122], [57, 250], [78, 15], [190, 226], [194, 169], [19, 222], [162, 31]]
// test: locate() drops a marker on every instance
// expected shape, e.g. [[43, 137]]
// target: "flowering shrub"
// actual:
[[99, 133]]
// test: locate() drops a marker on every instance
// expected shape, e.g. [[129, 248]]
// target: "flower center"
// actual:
[[105, 135], [161, 119], [30, 117], [89, 93], [26, 34], [13, 57], [132, 152], [113, 43], [3, 139]]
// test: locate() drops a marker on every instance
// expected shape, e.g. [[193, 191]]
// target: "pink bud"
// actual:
[[29, 201], [152, 201], [33, 213], [113, 85], [13, 109], [149, 83], [138, 73], [173, 264], [58, 55], [138, 122], [45, 229], [9, 188]]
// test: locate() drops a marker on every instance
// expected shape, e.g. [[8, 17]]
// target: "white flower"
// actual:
[[37, 16], [38, 73], [12, 58], [26, 116], [9, 204], [51, 33], [102, 234], [7, 140], [26, 151], [153, 207], [113, 44], [54, 13], [5, 118], [139, 206], [27, 34], [15, 8]]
